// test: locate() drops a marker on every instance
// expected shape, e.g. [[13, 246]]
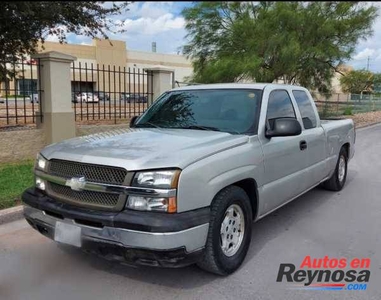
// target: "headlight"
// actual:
[[41, 163], [160, 179], [164, 179]]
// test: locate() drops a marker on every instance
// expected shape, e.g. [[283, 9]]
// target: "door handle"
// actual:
[[303, 145]]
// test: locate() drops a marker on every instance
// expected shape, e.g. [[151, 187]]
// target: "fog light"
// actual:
[[152, 204], [40, 184]]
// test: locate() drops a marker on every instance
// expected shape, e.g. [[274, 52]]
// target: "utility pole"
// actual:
[[367, 64]]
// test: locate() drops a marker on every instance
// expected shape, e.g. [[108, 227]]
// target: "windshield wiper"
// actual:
[[198, 127], [201, 127], [147, 123]]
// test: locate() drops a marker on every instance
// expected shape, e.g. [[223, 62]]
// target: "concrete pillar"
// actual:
[[58, 116], [160, 79]]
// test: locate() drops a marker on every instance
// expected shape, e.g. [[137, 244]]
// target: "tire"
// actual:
[[337, 181], [215, 259]]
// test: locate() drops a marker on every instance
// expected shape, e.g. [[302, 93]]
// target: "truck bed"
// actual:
[[337, 131]]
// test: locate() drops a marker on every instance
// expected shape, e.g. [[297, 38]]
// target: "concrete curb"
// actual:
[[368, 125], [11, 214]]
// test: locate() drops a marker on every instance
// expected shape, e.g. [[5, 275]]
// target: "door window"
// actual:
[[279, 106]]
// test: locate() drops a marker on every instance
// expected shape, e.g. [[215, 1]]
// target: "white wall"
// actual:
[[179, 63]]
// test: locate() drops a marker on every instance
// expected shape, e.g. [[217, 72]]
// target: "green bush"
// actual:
[[348, 111]]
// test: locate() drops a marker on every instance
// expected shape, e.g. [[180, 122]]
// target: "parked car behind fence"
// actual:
[[102, 96], [33, 98], [86, 97], [133, 97]]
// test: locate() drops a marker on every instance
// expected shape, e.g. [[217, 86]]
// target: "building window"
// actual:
[[26, 86], [82, 86]]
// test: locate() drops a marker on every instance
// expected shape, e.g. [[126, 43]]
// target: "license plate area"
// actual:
[[68, 234]]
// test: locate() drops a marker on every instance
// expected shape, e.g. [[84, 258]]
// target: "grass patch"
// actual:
[[15, 178]]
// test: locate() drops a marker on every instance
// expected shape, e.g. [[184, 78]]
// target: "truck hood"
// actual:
[[144, 148]]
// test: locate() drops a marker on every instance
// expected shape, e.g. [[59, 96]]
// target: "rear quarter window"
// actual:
[[306, 110]]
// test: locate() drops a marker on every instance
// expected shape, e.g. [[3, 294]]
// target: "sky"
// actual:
[[161, 22], [147, 22], [369, 48]]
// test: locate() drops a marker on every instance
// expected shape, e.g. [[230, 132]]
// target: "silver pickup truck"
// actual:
[[185, 183]]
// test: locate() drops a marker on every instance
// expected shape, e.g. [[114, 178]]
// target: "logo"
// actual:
[[327, 274], [76, 183]]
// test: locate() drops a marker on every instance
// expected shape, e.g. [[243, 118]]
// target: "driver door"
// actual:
[[285, 160]]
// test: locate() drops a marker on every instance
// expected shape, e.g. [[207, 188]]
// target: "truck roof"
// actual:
[[259, 86]]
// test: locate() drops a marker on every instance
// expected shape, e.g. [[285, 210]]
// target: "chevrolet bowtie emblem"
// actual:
[[76, 183]]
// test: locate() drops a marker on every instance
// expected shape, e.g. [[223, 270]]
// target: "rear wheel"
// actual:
[[229, 232], [338, 178]]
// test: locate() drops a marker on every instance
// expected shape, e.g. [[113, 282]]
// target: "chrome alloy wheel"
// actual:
[[341, 169], [232, 230]]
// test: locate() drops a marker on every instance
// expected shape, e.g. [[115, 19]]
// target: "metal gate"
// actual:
[[102, 92], [20, 93]]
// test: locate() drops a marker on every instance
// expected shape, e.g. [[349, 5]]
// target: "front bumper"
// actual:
[[130, 236]]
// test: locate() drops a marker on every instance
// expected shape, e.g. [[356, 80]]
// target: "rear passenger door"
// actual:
[[313, 135], [285, 160]]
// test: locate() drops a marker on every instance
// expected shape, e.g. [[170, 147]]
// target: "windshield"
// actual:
[[229, 110]]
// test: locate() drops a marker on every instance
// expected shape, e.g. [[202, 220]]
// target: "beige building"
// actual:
[[343, 69], [88, 74], [114, 54]]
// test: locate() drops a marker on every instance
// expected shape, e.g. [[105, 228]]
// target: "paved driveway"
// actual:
[[345, 224]]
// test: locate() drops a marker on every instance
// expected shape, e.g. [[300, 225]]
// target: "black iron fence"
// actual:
[[109, 93], [346, 104], [102, 92], [98, 92], [20, 93]]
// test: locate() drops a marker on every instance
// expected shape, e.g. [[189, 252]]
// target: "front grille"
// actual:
[[65, 193], [93, 173]]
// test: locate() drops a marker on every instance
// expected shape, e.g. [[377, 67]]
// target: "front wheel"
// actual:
[[338, 178], [229, 233]]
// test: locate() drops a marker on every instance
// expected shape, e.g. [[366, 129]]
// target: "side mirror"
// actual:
[[132, 121], [284, 127]]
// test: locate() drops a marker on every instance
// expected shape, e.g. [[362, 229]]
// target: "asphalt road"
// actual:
[[345, 224]]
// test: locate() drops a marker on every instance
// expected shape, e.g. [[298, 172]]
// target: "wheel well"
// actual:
[[346, 147], [249, 185]]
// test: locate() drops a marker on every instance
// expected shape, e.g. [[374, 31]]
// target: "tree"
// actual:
[[23, 24], [298, 42], [377, 83], [357, 81]]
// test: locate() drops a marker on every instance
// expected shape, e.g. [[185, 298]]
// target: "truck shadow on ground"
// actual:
[[191, 277]]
